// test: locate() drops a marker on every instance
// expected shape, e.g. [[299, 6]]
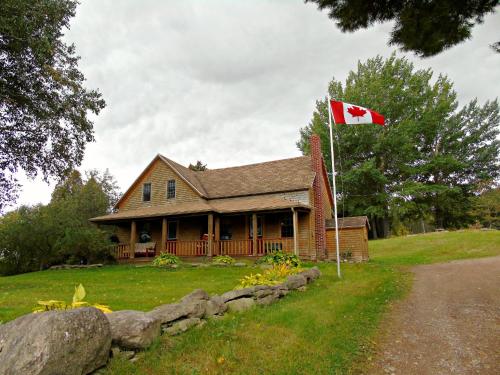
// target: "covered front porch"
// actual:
[[213, 234]]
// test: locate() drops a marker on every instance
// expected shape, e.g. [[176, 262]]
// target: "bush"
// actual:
[[223, 259], [278, 257], [77, 302], [272, 276], [166, 259]]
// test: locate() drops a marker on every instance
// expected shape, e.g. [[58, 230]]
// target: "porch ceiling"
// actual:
[[221, 206]]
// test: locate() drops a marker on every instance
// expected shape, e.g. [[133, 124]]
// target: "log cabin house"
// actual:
[[170, 208]]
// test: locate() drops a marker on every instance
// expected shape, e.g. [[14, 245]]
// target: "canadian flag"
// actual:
[[345, 113]]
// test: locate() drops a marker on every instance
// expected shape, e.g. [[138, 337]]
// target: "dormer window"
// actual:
[[146, 192], [171, 189]]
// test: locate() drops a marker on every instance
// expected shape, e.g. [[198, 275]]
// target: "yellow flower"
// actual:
[[221, 360]]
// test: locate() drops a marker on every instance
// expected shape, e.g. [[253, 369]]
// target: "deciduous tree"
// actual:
[[44, 107], [429, 157]]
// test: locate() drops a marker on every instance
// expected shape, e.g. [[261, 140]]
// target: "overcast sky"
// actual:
[[228, 82]]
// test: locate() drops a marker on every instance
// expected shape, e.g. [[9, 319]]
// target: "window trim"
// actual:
[[150, 191], [175, 189]]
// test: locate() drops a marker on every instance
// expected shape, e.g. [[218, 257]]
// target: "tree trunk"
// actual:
[[374, 229]]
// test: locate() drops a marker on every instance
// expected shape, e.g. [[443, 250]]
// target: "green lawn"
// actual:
[[329, 329], [120, 287], [321, 331], [435, 247]]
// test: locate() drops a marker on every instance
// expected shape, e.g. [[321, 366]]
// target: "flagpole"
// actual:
[[334, 186]]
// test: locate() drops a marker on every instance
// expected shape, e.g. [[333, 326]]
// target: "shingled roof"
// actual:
[[349, 222], [227, 205], [269, 177]]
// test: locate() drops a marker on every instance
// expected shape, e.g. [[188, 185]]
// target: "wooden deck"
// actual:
[[201, 248]]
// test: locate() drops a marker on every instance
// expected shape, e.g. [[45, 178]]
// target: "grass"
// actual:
[[322, 331], [329, 329], [120, 287], [435, 247]]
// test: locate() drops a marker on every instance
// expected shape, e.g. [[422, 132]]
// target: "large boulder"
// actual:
[[55, 342], [132, 329], [240, 304], [295, 281]]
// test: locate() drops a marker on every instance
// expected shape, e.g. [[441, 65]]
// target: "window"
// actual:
[[146, 192], [287, 226], [170, 189], [172, 230], [145, 233]]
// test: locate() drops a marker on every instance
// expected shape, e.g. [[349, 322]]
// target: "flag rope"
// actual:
[[334, 186]]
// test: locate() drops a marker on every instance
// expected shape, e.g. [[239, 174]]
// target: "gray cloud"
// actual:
[[228, 82]]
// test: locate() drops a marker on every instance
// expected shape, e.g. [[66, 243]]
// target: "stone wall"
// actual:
[[80, 341]]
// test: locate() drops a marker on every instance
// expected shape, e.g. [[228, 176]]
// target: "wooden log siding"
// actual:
[[158, 174], [353, 240]]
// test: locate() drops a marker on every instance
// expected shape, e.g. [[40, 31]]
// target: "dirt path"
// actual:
[[449, 324]]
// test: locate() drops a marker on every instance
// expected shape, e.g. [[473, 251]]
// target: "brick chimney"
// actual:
[[318, 207]]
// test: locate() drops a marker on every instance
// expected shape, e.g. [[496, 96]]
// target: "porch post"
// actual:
[[163, 246], [217, 234], [210, 233], [295, 231], [254, 233], [133, 235]]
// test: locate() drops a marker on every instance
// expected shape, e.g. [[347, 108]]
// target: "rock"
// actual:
[[128, 354], [238, 293], [215, 306], [239, 264], [55, 342], [181, 326], [195, 295], [115, 351], [281, 290], [311, 274], [295, 281], [168, 313], [195, 308], [133, 329], [302, 288], [240, 304], [267, 300], [263, 292]]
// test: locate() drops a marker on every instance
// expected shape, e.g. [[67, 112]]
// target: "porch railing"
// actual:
[[121, 251], [187, 248], [222, 247], [233, 247]]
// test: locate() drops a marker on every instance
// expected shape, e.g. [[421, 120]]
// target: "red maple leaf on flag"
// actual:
[[356, 111]]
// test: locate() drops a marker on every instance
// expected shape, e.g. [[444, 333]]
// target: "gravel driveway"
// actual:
[[449, 324]]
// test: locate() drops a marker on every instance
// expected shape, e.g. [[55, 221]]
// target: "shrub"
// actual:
[[279, 257], [77, 302], [166, 259], [223, 259], [275, 275]]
